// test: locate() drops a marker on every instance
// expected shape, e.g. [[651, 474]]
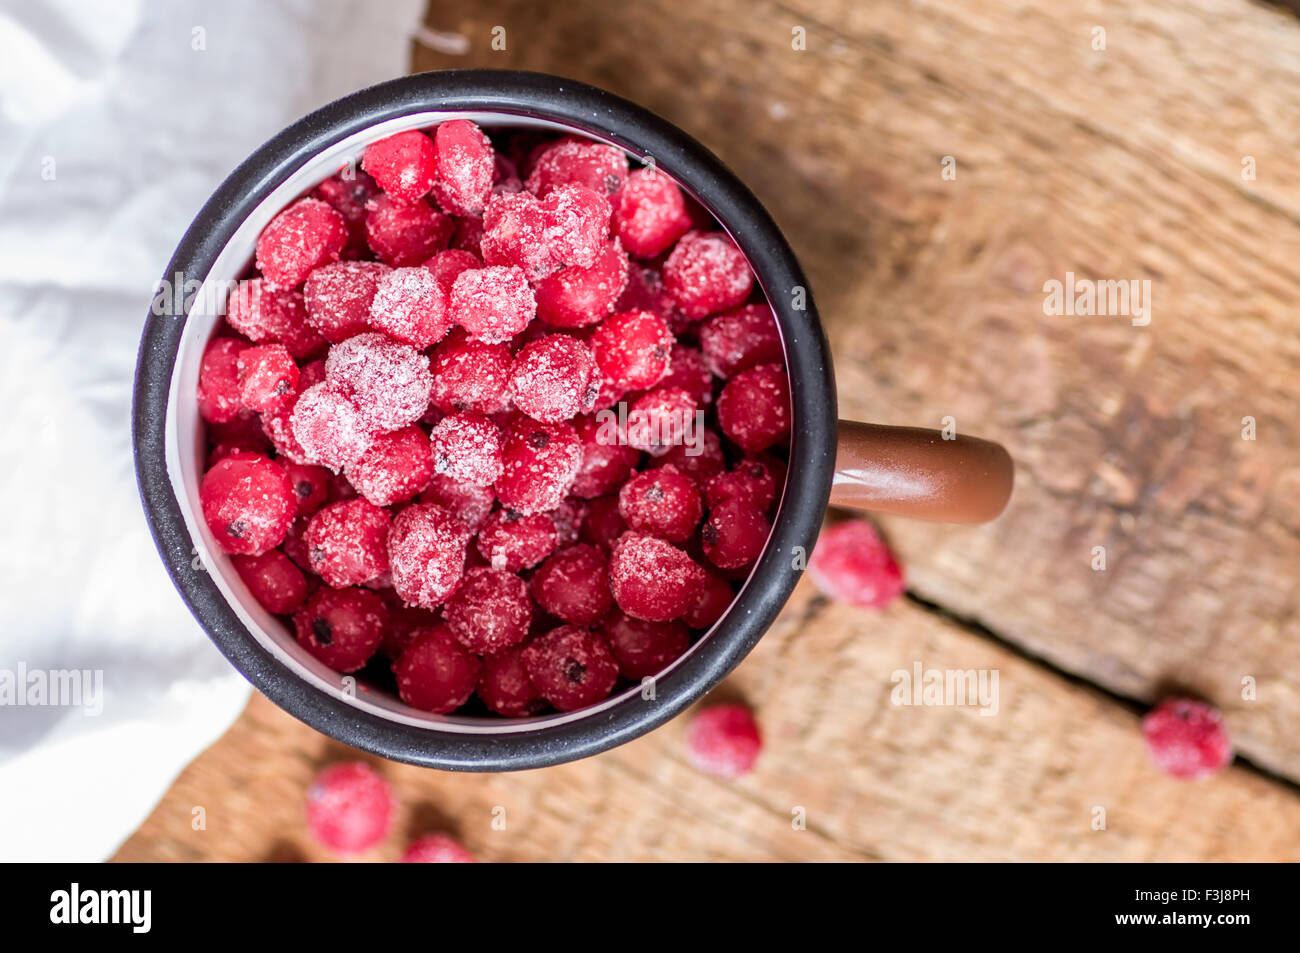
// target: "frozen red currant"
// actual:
[[469, 504], [512, 541], [603, 525], [275, 582], [261, 314], [388, 382], [310, 486], [662, 418], [644, 291], [706, 273], [219, 389], [714, 600], [750, 481], [490, 611], [699, 455], [571, 667], [568, 518], [328, 427], [1187, 738], [754, 408], [492, 304], [739, 339], [304, 236], [573, 585], [595, 165], [470, 375], [643, 649], [341, 628], [347, 193], [410, 305], [268, 378], [447, 265], [553, 378], [734, 534], [539, 463], [577, 224], [652, 579], [607, 460], [724, 741], [339, 297], [515, 234], [505, 686], [248, 503], [649, 213], [437, 849], [632, 349], [395, 467], [575, 297], [661, 502], [852, 564], [349, 808], [687, 371], [467, 448], [426, 554], [347, 542], [465, 165], [435, 673], [403, 165], [405, 233]]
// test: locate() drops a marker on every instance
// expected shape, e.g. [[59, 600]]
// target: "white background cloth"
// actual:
[[117, 120]]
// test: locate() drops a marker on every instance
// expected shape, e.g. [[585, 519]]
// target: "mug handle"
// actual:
[[916, 472]]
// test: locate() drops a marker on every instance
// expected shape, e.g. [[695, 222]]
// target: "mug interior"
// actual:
[[186, 450]]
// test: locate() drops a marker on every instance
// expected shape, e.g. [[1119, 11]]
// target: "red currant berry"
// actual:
[[406, 233], [435, 673], [577, 224], [404, 165], [603, 524], [606, 460], [713, 602], [573, 585], [467, 448], [724, 741], [426, 554], [304, 236], [410, 305], [490, 611], [492, 304], [652, 579], [699, 456], [852, 564], [394, 468], [470, 375], [749, 481], [571, 667], [349, 808], [553, 378], [326, 426], [661, 419], [268, 378], [248, 503], [576, 297], [447, 265], [632, 349], [469, 504], [341, 628], [754, 408], [388, 382], [275, 582], [644, 649], [510, 541], [1187, 739], [594, 165], [347, 193], [310, 486], [436, 849], [649, 213], [339, 297], [706, 273], [465, 165], [515, 234], [737, 340], [686, 370], [661, 502], [219, 390], [539, 463], [347, 542], [505, 686], [734, 534]]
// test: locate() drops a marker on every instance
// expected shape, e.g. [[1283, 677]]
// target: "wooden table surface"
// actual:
[[1169, 155]]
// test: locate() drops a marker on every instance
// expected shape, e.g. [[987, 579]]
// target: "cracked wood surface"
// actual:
[[1124, 163]]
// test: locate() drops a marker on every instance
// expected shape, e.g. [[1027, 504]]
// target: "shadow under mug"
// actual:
[[901, 470]]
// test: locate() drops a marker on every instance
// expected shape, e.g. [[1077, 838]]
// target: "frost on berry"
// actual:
[[410, 305], [571, 667], [219, 387], [435, 673], [268, 378], [660, 419], [465, 165], [754, 408], [304, 236], [338, 297], [469, 504], [388, 382], [652, 579], [395, 467], [595, 165], [573, 585], [852, 564], [342, 628], [329, 428], [470, 375], [576, 297], [248, 503], [661, 502], [632, 349], [649, 213], [1187, 738], [724, 741], [347, 542], [492, 304], [553, 378], [739, 339], [405, 233], [511, 541], [467, 448], [706, 273], [490, 610], [539, 464], [505, 687], [426, 554], [403, 165]]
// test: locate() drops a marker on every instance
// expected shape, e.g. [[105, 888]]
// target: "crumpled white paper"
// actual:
[[117, 120]]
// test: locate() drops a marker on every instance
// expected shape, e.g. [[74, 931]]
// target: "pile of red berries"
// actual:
[[509, 417]]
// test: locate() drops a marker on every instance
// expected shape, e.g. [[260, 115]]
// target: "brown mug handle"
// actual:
[[916, 472]]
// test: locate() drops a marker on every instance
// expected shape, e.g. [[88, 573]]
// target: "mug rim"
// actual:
[[812, 392]]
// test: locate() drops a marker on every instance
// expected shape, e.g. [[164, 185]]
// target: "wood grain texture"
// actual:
[[1117, 164], [875, 780]]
